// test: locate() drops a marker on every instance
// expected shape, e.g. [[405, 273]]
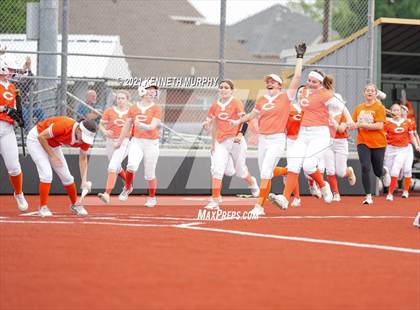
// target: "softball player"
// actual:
[[335, 157], [272, 111], [369, 118], [112, 122], [314, 136], [229, 143], [8, 144], [44, 145], [145, 118], [399, 134]]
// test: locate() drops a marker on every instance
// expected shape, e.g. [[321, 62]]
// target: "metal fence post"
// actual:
[[371, 39], [64, 50], [222, 39]]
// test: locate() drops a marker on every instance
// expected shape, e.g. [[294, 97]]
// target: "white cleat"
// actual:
[[104, 197], [326, 193], [257, 210], [336, 197], [21, 202], [124, 194], [212, 205], [386, 178], [351, 177], [271, 197], [150, 202], [404, 194], [78, 210], [44, 211], [417, 220], [390, 197], [281, 201], [296, 202], [368, 200], [314, 190], [255, 190]]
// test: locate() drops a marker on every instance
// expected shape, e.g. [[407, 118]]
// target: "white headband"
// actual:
[[316, 75]]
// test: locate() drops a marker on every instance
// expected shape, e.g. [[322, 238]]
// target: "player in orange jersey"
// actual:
[[369, 117], [145, 118], [8, 144], [111, 124], [44, 145], [399, 134], [229, 144], [272, 111], [335, 157]]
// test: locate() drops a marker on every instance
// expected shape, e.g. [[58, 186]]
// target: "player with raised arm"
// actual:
[[45, 143], [145, 118]]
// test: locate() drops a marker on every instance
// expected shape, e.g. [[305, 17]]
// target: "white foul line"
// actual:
[[302, 239]]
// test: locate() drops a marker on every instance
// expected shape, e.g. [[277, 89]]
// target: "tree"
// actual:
[[349, 16], [13, 16]]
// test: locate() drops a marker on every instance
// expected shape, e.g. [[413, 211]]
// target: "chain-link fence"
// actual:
[[114, 44]]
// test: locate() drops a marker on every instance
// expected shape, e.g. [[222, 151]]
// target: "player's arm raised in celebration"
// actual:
[[294, 84]]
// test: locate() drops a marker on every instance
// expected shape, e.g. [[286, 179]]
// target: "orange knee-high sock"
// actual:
[[265, 188], [333, 183], [216, 188], [152, 184], [129, 177], [16, 181], [110, 182], [44, 191], [296, 191], [72, 192], [291, 183], [122, 175], [278, 171], [317, 176], [393, 185], [407, 183]]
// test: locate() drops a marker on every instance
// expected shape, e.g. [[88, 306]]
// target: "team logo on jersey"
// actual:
[[297, 117], [304, 102], [223, 116], [8, 95], [119, 122], [141, 117], [399, 130], [268, 106]]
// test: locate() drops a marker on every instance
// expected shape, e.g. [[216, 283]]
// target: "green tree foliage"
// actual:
[[13, 15], [349, 16]]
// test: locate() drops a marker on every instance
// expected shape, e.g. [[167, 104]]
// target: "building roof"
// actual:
[[275, 29], [78, 66]]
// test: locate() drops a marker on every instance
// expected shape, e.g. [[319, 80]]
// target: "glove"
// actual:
[[13, 113], [300, 50]]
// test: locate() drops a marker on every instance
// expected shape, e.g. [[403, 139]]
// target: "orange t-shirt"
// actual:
[[370, 114], [7, 98], [398, 132], [339, 118], [273, 113], [413, 125], [411, 115], [62, 130], [293, 124], [222, 113], [114, 120], [144, 115], [314, 107]]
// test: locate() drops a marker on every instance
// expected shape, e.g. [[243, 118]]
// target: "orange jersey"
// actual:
[[370, 114], [222, 113], [114, 120], [411, 114], [339, 118], [398, 132], [144, 115], [314, 105], [273, 113], [7, 98], [62, 130], [413, 125], [293, 124]]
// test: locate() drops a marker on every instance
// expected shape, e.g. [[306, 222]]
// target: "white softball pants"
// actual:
[[147, 148], [9, 149]]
